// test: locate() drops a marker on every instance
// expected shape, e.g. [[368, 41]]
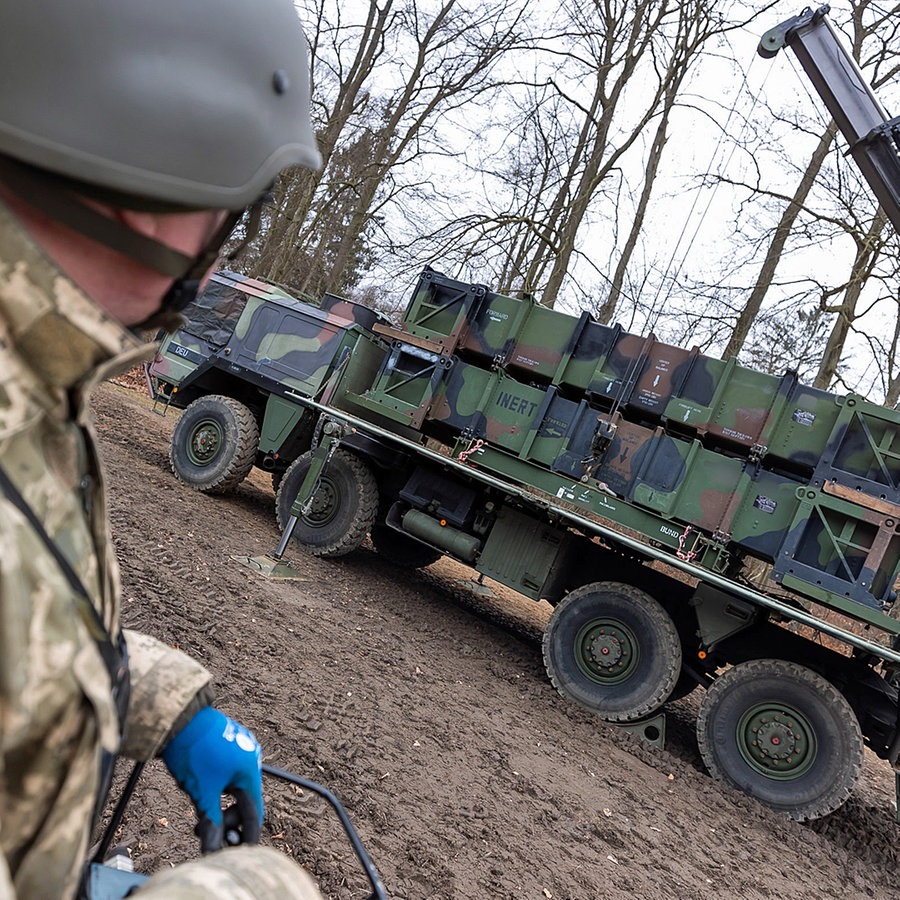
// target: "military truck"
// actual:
[[246, 352], [693, 522]]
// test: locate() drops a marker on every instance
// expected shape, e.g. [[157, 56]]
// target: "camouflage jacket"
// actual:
[[56, 708]]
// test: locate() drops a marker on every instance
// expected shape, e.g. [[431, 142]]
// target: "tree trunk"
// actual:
[[867, 251], [607, 311], [776, 246]]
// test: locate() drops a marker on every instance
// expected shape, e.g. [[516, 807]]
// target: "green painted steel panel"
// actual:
[[279, 420], [520, 552]]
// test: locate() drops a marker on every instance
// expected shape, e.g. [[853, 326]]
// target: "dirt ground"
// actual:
[[425, 707]]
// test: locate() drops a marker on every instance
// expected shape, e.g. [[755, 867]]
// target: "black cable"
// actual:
[[118, 812], [378, 891]]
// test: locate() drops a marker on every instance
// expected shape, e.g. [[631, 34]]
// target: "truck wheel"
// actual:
[[214, 444], [343, 508], [402, 550], [613, 649], [783, 734]]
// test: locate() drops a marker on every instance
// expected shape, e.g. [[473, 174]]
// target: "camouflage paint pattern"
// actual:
[[844, 547], [546, 340], [863, 450], [441, 308], [406, 381], [486, 404], [242, 322], [238, 873], [593, 345], [56, 707], [715, 448], [491, 328], [721, 402]]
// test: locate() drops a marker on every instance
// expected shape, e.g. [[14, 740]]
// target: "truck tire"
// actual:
[[400, 549], [343, 509], [612, 649], [214, 444], [783, 734]]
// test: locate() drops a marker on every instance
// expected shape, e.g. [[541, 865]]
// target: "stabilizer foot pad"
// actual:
[[475, 587], [269, 567]]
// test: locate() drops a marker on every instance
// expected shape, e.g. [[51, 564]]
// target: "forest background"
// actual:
[[632, 158]]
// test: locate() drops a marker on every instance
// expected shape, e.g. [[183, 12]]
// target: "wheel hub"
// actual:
[[606, 651], [776, 741], [205, 443], [322, 505]]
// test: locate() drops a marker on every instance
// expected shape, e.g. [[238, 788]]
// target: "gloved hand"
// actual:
[[213, 755]]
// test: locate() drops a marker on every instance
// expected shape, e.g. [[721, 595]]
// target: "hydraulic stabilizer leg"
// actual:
[[332, 434], [271, 565]]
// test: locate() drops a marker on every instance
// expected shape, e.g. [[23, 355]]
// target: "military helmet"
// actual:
[[193, 103]]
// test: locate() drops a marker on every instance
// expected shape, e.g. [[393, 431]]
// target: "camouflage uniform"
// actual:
[[56, 709]]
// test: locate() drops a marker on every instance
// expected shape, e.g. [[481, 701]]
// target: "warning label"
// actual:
[[803, 417]]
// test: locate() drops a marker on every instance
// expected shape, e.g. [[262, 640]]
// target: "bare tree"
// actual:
[[871, 29], [775, 249], [868, 249], [609, 307], [344, 55], [638, 53], [377, 111]]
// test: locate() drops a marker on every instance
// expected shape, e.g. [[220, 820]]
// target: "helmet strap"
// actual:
[[42, 193], [187, 284]]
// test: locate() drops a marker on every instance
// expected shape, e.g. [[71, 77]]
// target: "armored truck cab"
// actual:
[[246, 353]]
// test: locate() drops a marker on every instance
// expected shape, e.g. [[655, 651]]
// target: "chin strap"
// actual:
[[188, 282], [55, 198]]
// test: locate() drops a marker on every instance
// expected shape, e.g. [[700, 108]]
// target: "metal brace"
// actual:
[[757, 452], [333, 433], [776, 38]]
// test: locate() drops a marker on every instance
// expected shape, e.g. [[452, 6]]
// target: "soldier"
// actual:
[[133, 136]]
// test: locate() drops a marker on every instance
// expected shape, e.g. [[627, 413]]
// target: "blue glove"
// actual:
[[214, 755]]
